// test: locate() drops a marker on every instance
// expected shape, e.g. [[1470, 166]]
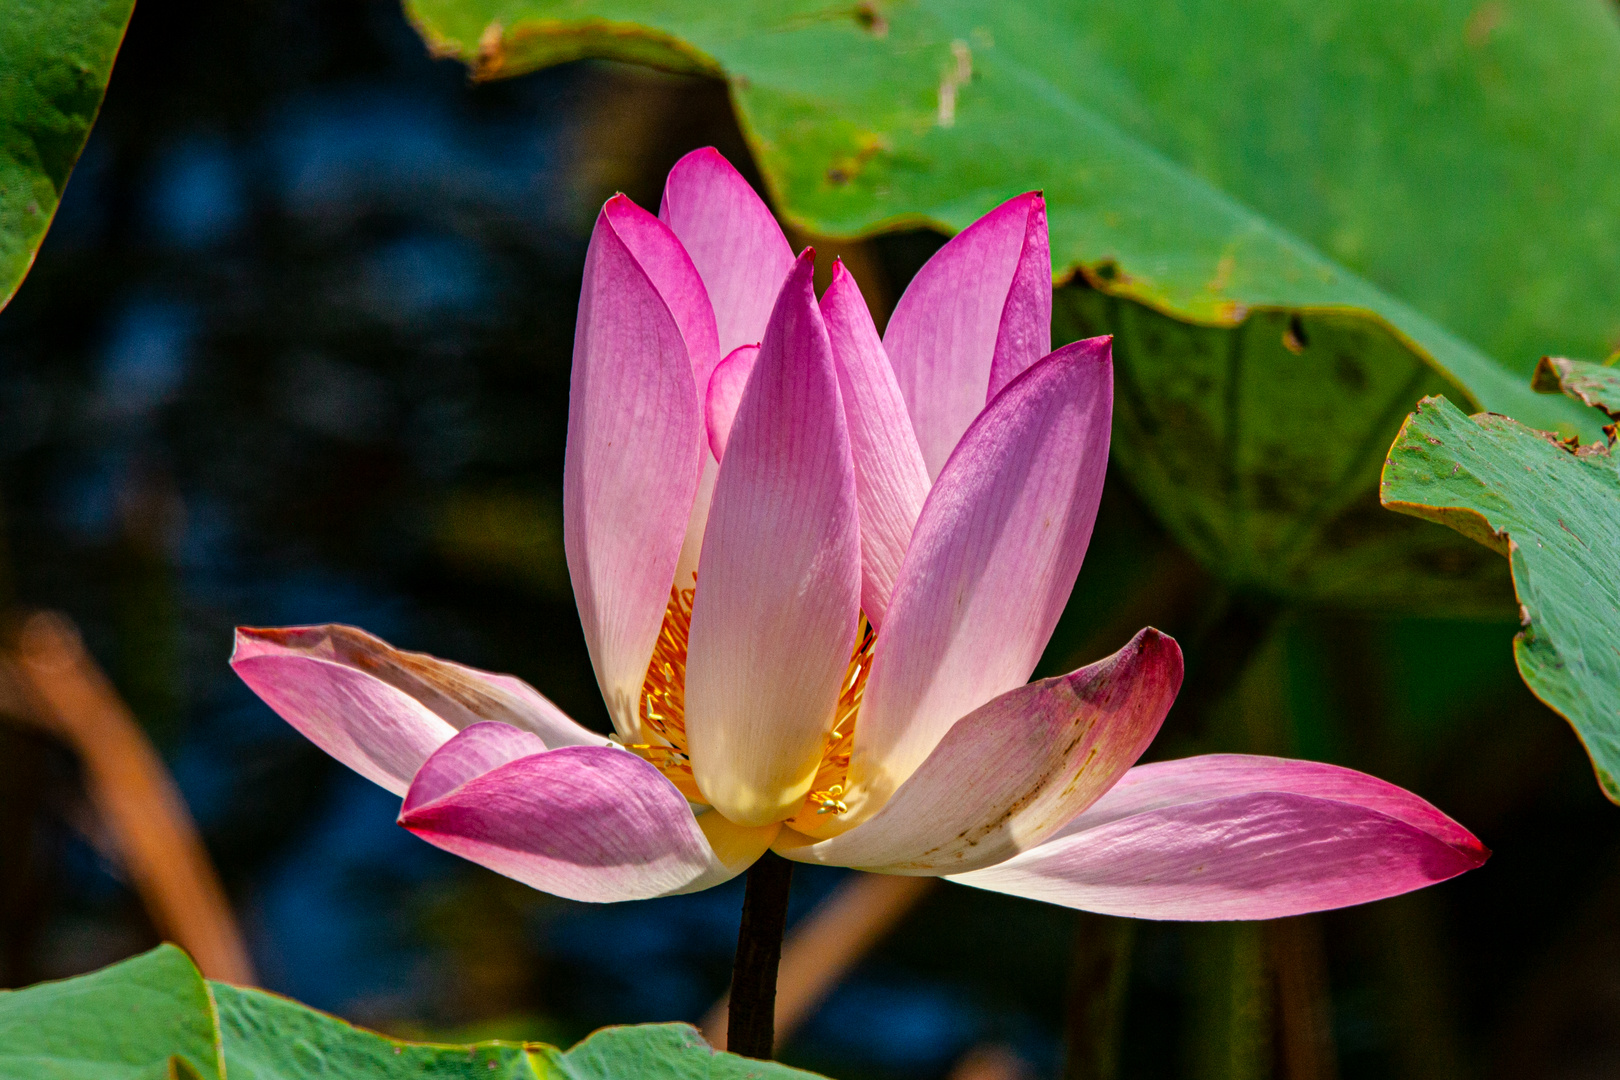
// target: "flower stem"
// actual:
[[751, 1024]]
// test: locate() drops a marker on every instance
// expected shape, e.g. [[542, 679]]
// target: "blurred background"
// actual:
[[296, 350]]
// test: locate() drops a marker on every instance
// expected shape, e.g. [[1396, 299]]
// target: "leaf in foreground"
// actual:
[[1553, 508], [153, 1017], [144, 1019], [55, 59]]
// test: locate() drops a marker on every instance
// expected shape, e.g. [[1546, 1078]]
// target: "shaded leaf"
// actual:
[[1297, 217], [1554, 509], [55, 58], [148, 1018]]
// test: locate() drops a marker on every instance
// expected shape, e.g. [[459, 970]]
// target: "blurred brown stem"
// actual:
[[58, 687]]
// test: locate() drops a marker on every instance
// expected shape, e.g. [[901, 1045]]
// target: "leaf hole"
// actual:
[[870, 19], [1294, 339]]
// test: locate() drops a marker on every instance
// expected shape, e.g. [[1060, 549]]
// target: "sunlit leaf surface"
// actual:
[[155, 1018], [1554, 509], [55, 57], [1298, 217]]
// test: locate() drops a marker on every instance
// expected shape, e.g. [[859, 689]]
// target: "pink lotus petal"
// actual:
[[587, 823], [667, 265], [380, 710], [725, 394], [735, 242], [891, 480], [976, 315], [1237, 837], [778, 592], [631, 470], [991, 563], [1016, 770]]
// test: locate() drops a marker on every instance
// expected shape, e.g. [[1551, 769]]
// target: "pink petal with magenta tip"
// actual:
[[1232, 836], [976, 315], [990, 564], [633, 460]]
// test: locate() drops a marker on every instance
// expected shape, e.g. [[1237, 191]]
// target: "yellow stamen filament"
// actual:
[[663, 710]]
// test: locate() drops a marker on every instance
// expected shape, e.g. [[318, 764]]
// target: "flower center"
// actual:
[[663, 711]]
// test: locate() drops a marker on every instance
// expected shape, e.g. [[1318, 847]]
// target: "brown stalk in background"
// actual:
[[49, 681]]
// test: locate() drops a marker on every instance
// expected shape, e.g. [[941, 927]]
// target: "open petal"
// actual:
[[725, 394], [891, 480], [731, 236], [1016, 770], [669, 267], [1232, 836], [778, 592], [990, 564], [381, 710], [976, 315], [631, 470], [587, 823]]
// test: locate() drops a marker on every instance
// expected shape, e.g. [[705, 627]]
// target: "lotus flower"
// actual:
[[816, 569]]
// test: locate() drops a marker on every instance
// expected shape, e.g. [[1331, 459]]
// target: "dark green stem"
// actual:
[[751, 1024]]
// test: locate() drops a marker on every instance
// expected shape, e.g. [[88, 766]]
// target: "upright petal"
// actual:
[[669, 267], [725, 394], [778, 592], [587, 823], [1014, 771], [976, 315], [891, 480], [735, 242], [990, 565], [630, 474], [380, 710], [1231, 836]]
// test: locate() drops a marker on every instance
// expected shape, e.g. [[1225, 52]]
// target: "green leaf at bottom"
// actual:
[[148, 1018]]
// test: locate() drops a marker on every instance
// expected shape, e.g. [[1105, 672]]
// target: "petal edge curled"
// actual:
[[381, 710], [1016, 770], [1233, 836]]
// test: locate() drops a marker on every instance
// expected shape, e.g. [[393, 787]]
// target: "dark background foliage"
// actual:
[[297, 350]]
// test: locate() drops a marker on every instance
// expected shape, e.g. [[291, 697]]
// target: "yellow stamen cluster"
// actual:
[[663, 710]]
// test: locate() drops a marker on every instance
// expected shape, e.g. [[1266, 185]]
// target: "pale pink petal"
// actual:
[[1237, 837], [778, 591], [725, 394], [587, 823], [976, 315], [735, 242], [990, 564], [631, 469], [667, 265], [1014, 771], [891, 480], [380, 710]]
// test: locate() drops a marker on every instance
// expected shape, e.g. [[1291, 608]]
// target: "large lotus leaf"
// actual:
[[1433, 179], [55, 58], [144, 1019], [1553, 508]]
